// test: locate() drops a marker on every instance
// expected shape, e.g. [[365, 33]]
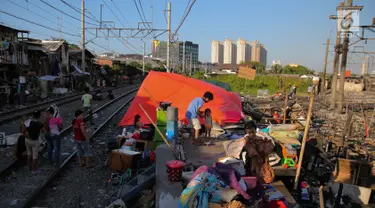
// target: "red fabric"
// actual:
[[180, 91], [78, 135], [136, 136], [277, 204]]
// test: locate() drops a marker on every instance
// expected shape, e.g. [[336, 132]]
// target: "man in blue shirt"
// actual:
[[194, 111]]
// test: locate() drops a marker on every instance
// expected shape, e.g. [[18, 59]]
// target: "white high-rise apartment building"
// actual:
[[230, 52], [217, 52], [243, 51], [258, 53]]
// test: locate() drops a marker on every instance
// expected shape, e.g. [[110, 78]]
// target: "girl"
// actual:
[[257, 151], [81, 138], [208, 125], [53, 126]]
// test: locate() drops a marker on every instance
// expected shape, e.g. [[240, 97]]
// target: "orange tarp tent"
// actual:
[[180, 91]]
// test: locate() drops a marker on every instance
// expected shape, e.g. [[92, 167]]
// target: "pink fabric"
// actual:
[[54, 125]]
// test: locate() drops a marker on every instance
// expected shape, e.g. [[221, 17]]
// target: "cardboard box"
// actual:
[[122, 159]]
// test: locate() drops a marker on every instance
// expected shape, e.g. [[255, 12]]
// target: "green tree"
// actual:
[[276, 69], [107, 67], [116, 69], [148, 67], [136, 64], [296, 70], [258, 66]]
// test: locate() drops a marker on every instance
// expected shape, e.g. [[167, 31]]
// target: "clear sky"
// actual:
[[292, 31]]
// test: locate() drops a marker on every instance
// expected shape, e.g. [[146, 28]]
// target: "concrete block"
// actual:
[[167, 193]]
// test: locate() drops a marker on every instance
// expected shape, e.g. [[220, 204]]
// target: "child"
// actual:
[[81, 138], [208, 125]]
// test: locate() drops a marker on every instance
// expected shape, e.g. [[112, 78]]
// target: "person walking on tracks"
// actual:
[[34, 128], [87, 100], [81, 139], [53, 126]]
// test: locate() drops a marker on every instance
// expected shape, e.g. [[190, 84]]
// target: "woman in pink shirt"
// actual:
[[53, 126]]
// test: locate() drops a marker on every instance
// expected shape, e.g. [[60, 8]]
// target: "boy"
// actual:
[[86, 100], [193, 112], [34, 128]]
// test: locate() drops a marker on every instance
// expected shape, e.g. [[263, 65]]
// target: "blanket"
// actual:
[[202, 189], [225, 173]]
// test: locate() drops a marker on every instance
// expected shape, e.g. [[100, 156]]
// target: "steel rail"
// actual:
[[35, 194], [65, 131]]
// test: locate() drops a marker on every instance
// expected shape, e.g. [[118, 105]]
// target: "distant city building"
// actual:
[[243, 50], [276, 62], [108, 55], [230, 52], [258, 52], [365, 66], [178, 50], [293, 65], [217, 52]]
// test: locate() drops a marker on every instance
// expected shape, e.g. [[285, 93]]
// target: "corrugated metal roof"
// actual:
[[52, 45]]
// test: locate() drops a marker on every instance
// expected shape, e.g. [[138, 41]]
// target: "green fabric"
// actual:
[[223, 85]]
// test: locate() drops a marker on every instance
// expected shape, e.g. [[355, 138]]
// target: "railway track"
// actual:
[[17, 113], [19, 187], [66, 112], [87, 187]]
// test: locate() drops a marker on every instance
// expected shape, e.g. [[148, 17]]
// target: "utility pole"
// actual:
[[60, 26], [83, 35], [143, 60], [322, 90], [336, 66], [183, 58], [344, 58], [169, 35], [101, 15]]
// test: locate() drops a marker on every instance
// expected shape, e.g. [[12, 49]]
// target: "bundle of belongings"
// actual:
[[223, 186]]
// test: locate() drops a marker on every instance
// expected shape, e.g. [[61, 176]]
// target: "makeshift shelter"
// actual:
[[180, 91]]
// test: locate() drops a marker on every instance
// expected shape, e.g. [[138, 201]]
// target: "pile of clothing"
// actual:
[[222, 185]]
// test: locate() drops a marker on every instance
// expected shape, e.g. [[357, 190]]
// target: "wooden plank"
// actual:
[[279, 185]]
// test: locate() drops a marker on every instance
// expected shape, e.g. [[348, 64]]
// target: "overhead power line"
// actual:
[[139, 12], [120, 12], [122, 25], [37, 14], [40, 25], [143, 12], [77, 10], [66, 13], [50, 13], [184, 17]]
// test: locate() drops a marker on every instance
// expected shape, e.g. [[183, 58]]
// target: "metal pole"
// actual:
[[335, 70], [183, 57], [169, 35], [101, 12], [191, 62], [144, 54], [322, 90], [343, 63], [83, 35]]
